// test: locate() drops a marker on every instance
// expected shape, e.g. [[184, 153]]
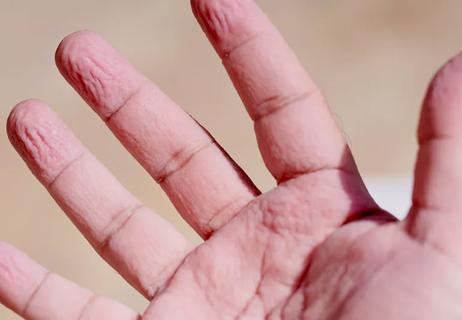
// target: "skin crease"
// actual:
[[315, 247]]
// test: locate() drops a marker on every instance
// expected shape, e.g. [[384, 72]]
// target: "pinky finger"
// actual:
[[34, 293]]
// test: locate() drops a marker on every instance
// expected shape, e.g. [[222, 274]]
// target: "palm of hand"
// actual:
[[315, 247], [370, 268]]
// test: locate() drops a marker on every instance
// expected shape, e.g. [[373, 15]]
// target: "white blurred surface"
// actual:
[[392, 194]]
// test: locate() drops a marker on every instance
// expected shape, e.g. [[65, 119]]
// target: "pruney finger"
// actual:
[[203, 182], [34, 293], [295, 130], [139, 244]]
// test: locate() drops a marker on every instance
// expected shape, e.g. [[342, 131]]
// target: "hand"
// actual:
[[315, 247]]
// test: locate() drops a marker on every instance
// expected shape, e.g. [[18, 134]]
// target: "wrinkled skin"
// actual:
[[315, 247]]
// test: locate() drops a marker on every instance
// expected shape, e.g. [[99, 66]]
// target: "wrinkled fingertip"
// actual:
[[74, 42], [24, 113]]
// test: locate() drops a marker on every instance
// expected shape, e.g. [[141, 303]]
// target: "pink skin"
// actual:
[[315, 247]]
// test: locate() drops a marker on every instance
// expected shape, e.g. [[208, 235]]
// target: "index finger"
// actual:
[[206, 186]]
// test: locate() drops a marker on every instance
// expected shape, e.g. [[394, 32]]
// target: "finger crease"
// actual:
[[277, 103], [225, 54], [66, 167], [296, 174], [90, 302], [126, 101], [179, 160], [117, 224], [34, 293], [236, 205]]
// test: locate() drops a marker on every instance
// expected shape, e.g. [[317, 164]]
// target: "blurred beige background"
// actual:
[[373, 59]]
